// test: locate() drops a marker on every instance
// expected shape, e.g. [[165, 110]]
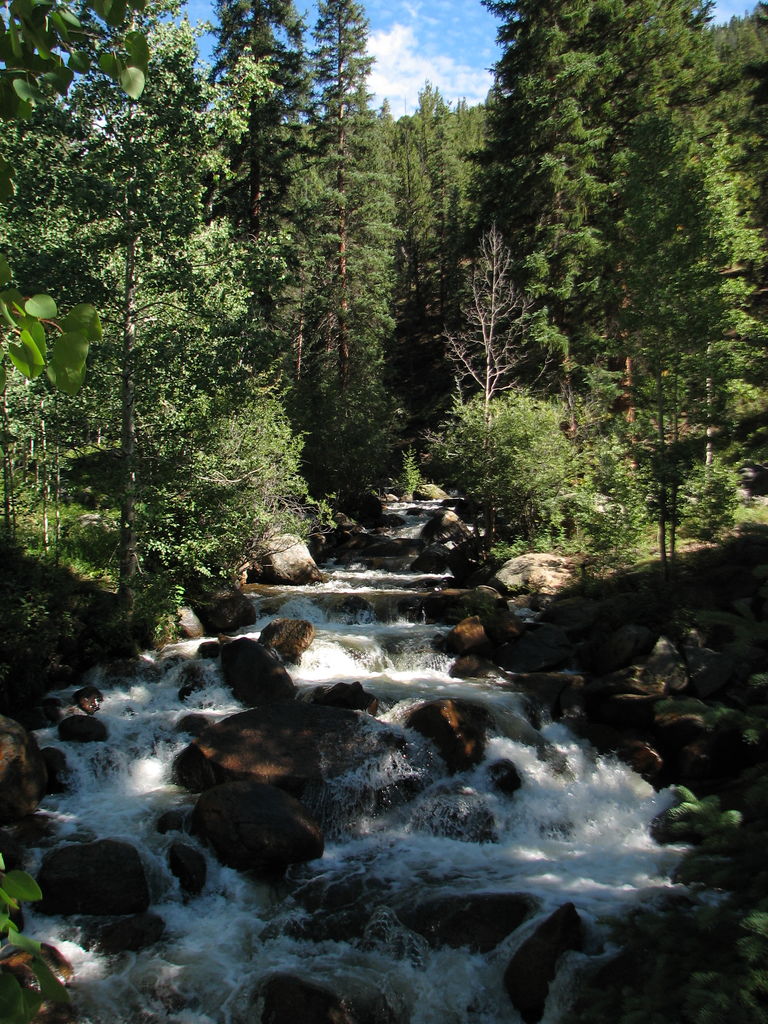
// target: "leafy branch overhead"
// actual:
[[26, 324]]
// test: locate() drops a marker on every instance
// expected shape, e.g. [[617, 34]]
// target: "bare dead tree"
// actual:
[[493, 341]]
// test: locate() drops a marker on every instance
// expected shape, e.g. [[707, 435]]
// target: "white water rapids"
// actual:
[[579, 835]]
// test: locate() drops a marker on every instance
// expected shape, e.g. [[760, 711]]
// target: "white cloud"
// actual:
[[402, 67]]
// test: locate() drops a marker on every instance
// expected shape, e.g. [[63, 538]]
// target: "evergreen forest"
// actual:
[[237, 300]]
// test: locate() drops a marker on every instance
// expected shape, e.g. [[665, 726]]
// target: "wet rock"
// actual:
[[287, 745], [12, 850], [545, 689], [227, 611], [58, 769], [625, 710], [357, 609], [534, 573], [285, 560], [209, 649], [189, 866], [82, 729], [254, 673], [533, 966], [505, 777], [129, 934], [80, 879], [471, 666], [289, 637], [345, 695], [540, 648], [456, 727], [256, 827], [89, 699], [435, 559], [193, 679], [190, 625], [193, 724], [23, 774], [175, 820], [478, 921], [288, 999], [455, 812], [468, 637], [444, 527]]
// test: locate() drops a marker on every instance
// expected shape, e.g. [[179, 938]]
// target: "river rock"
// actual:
[[23, 775], [227, 611], [82, 729], [289, 637], [456, 727], [540, 648], [189, 866], [58, 769], [709, 671], [621, 648], [254, 673], [80, 878], [445, 526], [287, 745], [533, 966], [190, 625], [434, 559], [129, 934], [430, 492], [534, 573], [504, 776], [468, 637], [478, 921], [288, 999], [574, 615], [88, 698], [666, 665], [286, 560], [256, 827], [345, 695]]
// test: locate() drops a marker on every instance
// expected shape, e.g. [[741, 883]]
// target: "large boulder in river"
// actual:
[[256, 827], [105, 877], [288, 999], [23, 774], [534, 573], [286, 559], [445, 526], [227, 611], [540, 648], [533, 966], [476, 920], [286, 745], [456, 727], [254, 673], [289, 637]]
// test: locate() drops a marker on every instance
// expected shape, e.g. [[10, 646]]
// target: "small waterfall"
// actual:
[[399, 833]]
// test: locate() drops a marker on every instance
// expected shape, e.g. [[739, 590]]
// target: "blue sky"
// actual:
[[451, 43]]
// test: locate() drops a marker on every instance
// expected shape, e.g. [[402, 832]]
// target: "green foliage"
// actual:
[[410, 474], [20, 1005], [608, 505], [708, 502], [25, 329], [514, 459]]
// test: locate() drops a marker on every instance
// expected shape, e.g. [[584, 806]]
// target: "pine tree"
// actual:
[[572, 80], [348, 263]]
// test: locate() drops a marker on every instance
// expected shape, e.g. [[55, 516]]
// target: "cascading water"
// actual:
[[398, 831]]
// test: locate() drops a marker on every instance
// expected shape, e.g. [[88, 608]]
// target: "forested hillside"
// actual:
[[555, 302]]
